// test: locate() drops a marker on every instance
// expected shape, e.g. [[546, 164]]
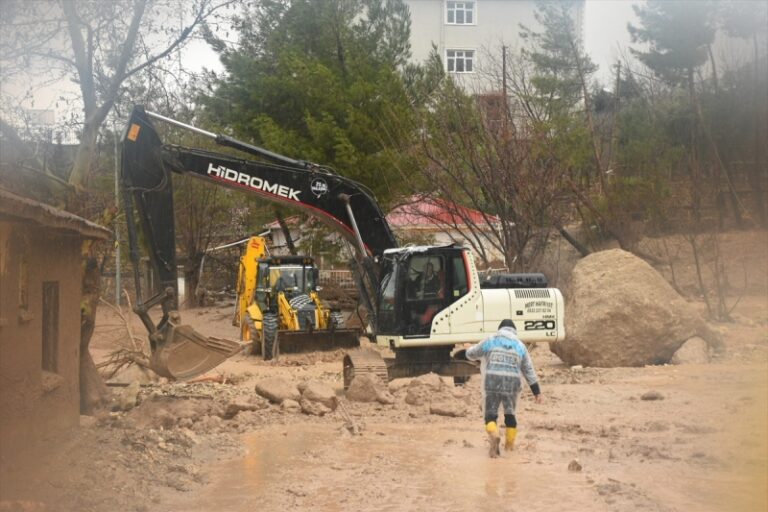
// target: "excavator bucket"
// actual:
[[293, 342], [184, 353]]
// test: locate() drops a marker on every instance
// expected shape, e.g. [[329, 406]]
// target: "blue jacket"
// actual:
[[505, 355]]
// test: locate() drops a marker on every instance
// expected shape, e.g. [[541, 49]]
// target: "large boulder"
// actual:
[[418, 395], [277, 389], [313, 408], [135, 372], [448, 406], [367, 387], [129, 397], [693, 351], [398, 385], [430, 380], [316, 391], [237, 406], [421, 389], [621, 312]]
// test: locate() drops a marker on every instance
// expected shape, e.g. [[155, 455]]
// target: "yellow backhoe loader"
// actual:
[[278, 307]]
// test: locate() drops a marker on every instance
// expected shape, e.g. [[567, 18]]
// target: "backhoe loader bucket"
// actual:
[[293, 342], [183, 353]]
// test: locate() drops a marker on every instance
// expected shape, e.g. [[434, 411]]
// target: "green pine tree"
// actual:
[[321, 81], [678, 34]]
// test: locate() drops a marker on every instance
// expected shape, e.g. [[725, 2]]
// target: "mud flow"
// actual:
[[419, 467], [284, 434]]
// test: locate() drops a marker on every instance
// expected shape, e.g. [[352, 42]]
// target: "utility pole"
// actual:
[[616, 100], [117, 212]]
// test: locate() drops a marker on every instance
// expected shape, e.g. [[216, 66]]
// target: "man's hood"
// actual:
[[508, 332]]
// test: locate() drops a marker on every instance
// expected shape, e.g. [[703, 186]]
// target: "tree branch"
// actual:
[[199, 17], [125, 55], [87, 87]]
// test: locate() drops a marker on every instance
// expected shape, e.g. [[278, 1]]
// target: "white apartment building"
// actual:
[[469, 34]]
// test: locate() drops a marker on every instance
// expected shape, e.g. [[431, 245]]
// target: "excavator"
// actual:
[[277, 298], [421, 301]]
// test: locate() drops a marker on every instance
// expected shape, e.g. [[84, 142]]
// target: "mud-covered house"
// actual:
[[40, 292]]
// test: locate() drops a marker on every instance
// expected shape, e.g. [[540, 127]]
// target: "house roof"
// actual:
[[17, 207], [417, 211], [420, 211]]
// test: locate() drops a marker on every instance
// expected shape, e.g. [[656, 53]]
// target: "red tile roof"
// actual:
[[438, 212], [418, 211]]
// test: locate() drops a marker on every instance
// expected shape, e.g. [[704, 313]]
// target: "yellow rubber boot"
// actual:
[[493, 437], [510, 435]]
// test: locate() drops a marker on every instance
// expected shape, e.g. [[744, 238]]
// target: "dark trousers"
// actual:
[[501, 390]]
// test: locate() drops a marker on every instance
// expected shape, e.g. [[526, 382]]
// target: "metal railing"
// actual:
[[341, 278]]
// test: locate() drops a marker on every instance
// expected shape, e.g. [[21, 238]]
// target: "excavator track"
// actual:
[[364, 360]]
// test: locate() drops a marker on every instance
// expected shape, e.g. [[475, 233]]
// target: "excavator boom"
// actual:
[[310, 188]]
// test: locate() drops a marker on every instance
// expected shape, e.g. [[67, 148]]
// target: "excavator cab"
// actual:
[[416, 285]]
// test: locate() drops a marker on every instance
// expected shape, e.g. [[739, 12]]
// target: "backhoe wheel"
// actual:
[[269, 346], [337, 320]]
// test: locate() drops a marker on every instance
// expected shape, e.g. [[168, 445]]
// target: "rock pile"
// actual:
[[428, 393], [439, 398], [422, 388], [314, 397]]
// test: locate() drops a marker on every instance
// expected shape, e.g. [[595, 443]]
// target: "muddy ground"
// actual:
[[700, 445]]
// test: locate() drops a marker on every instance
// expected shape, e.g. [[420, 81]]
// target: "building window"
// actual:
[[460, 61], [459, 13], [50, 361]]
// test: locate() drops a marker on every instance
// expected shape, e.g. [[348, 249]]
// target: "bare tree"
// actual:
[[98, 45], [202, 220], [473, 161]]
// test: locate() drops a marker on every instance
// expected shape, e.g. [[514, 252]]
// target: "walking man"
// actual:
[[503, 358]]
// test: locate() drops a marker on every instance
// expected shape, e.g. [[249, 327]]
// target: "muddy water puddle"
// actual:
[[389, 468]]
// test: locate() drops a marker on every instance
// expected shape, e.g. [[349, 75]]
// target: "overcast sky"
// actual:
[[605, 30]]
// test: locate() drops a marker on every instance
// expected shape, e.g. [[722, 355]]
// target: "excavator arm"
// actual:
[[146, 168], [315, 190]]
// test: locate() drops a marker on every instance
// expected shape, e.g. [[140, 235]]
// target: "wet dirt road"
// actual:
[[702, 448], [389, 468]]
